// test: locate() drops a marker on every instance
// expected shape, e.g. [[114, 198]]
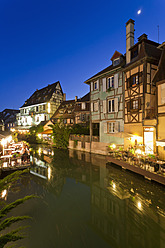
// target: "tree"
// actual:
[[60, 134], [8, 221]]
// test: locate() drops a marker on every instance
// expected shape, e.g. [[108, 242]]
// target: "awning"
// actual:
[[160, 143], [48, 131]]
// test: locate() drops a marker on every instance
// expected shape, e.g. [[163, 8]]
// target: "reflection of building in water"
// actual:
[[123, 218]]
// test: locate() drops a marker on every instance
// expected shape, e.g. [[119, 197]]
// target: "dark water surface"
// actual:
[[85, 202]]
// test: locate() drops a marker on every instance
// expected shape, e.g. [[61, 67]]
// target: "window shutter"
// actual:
[[104, 106], [116, 104], [91, 106], [91, 86], [116, 81], [104, 84], [105, 127], [98, 84], [162, 93], [97, 106], [128, 106], [116, 127]]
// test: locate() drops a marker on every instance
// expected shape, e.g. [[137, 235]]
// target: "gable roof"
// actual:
[[107, 70], [160, 74], [42, 95], [66, 109], [116, 55], [148, 49], [85, 98]]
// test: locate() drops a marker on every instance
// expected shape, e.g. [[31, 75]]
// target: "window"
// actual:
[[45, 118], [43, 107], [71, 121], [110, 82], [116, 61], [135, 80], [95, 85], [111, 105], [135, 104], [83, 105], [65, 121], [111, 127], [37, 119], [36, 108], [25, 111]]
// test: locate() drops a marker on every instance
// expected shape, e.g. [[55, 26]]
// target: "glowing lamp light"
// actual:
[[9, 139], [39, 151], [113, 146], [49, 173], [4, 193], [114, 186], [139, 205], [138, 151]]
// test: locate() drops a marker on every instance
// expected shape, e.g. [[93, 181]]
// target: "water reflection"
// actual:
[[98, 204]]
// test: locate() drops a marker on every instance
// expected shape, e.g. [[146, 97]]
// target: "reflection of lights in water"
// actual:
[[114, 186], [49, 173], [39, 151], [139, 205], [3, 194]]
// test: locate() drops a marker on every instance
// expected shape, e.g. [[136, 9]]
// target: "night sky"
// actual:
[[44, 41]]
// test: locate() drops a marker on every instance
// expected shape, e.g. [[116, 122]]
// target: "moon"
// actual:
[[139, 12]]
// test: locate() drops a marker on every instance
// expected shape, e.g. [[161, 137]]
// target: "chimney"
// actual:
[[129, 39], [64, 97], [75, 98]]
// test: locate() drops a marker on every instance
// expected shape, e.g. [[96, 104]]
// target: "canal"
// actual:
[[86, 202]]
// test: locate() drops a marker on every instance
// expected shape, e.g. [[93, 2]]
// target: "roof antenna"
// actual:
[[158, 33]]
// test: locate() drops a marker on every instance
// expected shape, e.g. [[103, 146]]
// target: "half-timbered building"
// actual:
[[106, 97], [159, 80], [142, 61]]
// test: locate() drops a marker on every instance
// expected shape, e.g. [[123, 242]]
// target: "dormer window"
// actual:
[[116, 61], [134, 53]]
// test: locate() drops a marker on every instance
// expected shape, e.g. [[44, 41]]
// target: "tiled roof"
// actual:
[[9, 115], [65, 109], [107, 70], [42, 95], [149, 49], [84, 98]]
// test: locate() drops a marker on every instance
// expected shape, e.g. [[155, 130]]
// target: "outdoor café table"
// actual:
[[7, 156]]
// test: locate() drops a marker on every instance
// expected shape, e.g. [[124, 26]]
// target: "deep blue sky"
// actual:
[[44, 41]]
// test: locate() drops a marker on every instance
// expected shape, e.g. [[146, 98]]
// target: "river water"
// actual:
[[86, 202]]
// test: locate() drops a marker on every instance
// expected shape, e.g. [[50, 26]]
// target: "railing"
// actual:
[[84, 138]]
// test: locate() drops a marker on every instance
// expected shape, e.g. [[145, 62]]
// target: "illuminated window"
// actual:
[[135, 80], [135, 104]]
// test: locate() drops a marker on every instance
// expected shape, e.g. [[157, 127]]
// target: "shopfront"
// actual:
[[149, 137]]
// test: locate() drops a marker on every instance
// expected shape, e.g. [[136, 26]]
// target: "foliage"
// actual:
[[60, 135], [5, 221], [15, 136], [79, 129], [32, 136]]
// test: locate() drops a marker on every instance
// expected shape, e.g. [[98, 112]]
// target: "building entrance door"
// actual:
[[149, 142]]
